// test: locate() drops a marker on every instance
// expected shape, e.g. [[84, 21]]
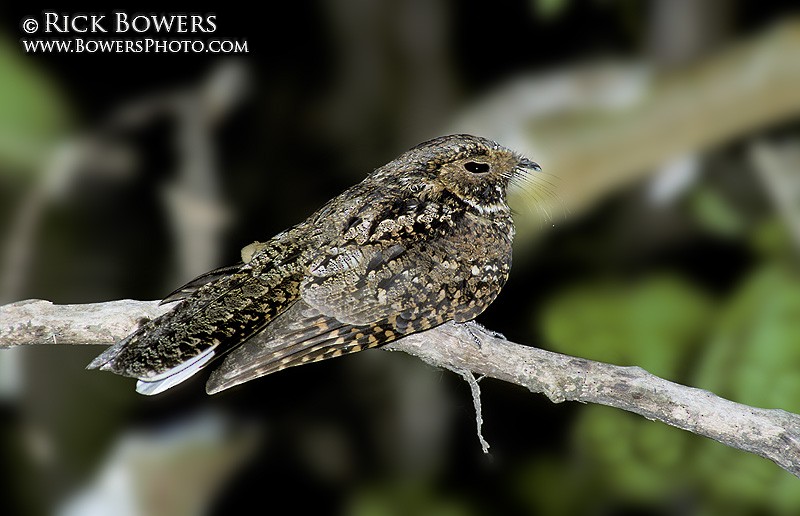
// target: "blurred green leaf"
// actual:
[[772, 238], [643, 460], [547, 484], [715, 213], [754, 358], [740, 483], [549, 9], [652, 324], [403, 498], [33, 111], [754, 355], [616, 456]]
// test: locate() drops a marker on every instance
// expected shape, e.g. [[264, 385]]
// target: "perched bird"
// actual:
[[422, 240]]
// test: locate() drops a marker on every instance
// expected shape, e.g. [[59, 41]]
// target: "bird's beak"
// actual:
[[526, 163]]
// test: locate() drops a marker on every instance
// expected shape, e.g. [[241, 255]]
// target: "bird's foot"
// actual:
[[476, 330]]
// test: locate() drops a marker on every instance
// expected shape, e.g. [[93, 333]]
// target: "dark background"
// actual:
[[332, 90]]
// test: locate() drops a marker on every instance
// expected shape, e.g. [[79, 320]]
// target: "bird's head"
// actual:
[[475, 170]]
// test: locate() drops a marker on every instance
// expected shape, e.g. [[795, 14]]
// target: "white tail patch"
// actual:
[[172, 377]]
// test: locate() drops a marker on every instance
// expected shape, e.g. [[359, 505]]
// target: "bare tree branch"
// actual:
[[770, 433], [35, 321]]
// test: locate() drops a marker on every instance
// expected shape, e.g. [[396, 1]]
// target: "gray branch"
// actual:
[[770, 433]]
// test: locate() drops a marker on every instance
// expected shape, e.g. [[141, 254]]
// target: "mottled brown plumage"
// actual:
[[423, 240]]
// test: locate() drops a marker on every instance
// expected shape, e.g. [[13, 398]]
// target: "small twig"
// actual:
[[770, 433], [467, 375]]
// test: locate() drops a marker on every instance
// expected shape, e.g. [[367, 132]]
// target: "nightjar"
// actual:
[[422, 240]]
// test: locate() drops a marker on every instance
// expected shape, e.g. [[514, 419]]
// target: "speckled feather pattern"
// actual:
[[422, 240]]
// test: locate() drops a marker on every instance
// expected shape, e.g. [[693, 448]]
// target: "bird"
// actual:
[[423, 240]]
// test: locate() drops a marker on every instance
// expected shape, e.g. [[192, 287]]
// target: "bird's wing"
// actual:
[[218, 311], [299, 332]]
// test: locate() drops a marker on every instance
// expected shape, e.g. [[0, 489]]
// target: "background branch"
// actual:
[[770, 433]]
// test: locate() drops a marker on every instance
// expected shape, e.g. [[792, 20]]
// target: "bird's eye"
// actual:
[[476, 168]]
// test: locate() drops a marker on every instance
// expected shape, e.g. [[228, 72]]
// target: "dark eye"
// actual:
[[476, 168]]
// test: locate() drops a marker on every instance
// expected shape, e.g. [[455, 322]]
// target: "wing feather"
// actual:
[[301, 335]]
